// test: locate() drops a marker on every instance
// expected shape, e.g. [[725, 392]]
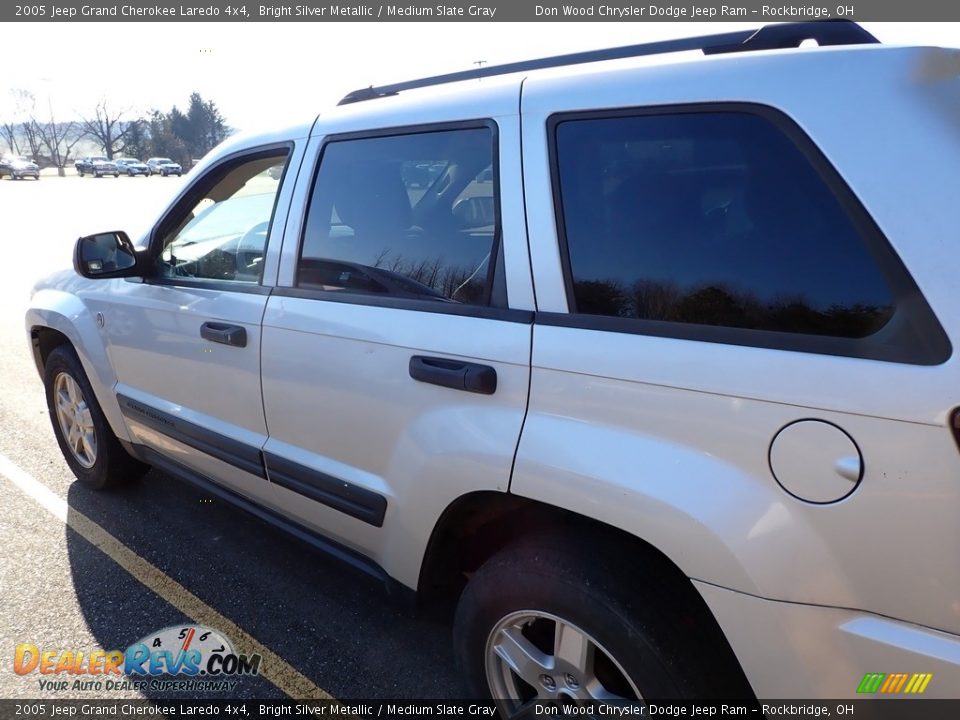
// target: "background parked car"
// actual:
[[132, 166], [164, 166], [96, 165], [18, 167]]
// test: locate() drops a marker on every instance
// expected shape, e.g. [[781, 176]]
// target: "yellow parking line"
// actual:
[[273, 667]]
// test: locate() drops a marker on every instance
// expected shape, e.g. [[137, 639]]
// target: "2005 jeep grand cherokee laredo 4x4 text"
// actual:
[[653, 373]]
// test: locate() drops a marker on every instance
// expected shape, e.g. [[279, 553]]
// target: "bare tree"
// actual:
[[12, 131], [59, 139], [30, 132], [8, 131], [107, 127]]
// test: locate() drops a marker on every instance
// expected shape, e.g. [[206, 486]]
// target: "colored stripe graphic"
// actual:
[[871, 683], [894, 683]]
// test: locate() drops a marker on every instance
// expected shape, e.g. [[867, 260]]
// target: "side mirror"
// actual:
[[106, 255]]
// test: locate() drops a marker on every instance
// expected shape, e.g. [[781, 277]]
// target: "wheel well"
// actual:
[[477, 526], [45, 340]]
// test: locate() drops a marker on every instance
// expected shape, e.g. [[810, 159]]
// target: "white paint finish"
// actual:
[[339, 399], [153, 341], [668, 438], [688, 472], [815, 461], [792, 651], [64, 312], [513, 224]]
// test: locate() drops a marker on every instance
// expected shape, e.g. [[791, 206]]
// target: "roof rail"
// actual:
[[768, 37]]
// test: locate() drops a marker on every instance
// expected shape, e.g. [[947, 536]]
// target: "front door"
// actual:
[[185, 342]]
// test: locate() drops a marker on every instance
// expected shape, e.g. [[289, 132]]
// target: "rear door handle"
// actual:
[[224, 333], [455, 374]]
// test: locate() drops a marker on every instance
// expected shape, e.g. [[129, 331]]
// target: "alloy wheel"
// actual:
[[75, 420], [534, 656]]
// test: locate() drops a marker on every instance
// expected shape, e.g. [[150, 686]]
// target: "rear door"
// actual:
[[395, 371]]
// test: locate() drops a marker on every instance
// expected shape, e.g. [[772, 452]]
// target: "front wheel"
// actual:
[[558, 620], [88, 444]]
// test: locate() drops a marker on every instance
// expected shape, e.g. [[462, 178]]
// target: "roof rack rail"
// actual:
[[768, 37]]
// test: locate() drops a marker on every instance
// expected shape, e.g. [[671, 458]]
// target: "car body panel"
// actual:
[[793, 651], [686, 426]]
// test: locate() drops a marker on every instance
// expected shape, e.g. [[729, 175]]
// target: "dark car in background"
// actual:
[[164, 166], [18, 167], [132, 166], [96, 165]]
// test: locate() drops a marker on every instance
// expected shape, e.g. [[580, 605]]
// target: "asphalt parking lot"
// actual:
[[83, 571]]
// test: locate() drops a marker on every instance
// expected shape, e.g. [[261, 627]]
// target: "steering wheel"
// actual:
[[251, 246]]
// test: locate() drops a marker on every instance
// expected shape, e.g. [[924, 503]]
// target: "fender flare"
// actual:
[[68, 315]]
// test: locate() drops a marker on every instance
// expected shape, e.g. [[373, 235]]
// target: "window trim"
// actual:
[[496, 302], [192, 195], [906, 295]]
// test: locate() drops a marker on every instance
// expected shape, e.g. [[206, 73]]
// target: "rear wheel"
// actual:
[[555, 620], [88, 444]]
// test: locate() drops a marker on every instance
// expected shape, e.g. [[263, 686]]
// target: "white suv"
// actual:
[[647, 363]]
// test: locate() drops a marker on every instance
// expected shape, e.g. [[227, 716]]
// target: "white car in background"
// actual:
[[164, 167]]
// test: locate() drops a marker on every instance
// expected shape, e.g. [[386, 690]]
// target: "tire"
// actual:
[[634, 621], [116, 174], [88, 444], [163, 173]]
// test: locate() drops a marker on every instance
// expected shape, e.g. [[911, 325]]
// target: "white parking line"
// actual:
[[273, 667]]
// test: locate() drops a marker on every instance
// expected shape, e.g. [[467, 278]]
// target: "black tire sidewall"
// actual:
[[590, 600]]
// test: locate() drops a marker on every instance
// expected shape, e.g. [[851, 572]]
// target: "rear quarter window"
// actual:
[[726, 224]]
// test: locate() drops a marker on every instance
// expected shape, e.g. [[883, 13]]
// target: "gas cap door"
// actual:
[[816, 461]]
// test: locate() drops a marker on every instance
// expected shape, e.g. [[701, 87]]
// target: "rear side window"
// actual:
[[404, 216], [722, 220]]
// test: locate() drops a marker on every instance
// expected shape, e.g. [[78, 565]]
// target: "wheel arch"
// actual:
[[56, 318], [476, 526]]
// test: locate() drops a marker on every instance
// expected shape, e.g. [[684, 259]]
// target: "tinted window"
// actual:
[[408, 216], [712, 218]]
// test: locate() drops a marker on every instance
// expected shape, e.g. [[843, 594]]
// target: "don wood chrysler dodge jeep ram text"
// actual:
[[646, 363]]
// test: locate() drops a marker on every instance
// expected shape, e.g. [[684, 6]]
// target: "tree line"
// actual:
[[181, 135]]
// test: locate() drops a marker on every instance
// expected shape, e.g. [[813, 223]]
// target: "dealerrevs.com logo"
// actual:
[[180, 658]]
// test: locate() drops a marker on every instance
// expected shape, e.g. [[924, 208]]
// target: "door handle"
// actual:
[[454, 374], [223, 333]]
